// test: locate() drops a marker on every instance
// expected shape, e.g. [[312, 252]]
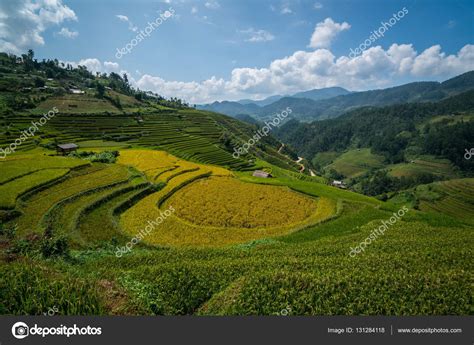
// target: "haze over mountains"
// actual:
[[319, 104]]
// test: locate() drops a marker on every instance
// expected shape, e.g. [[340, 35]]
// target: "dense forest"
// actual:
[[390, 131]]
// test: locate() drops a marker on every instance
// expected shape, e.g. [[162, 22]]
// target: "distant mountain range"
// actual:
[[319, 104], [254, 108]]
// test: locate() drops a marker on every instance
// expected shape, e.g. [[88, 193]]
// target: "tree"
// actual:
[[31, 54], [100, 90], [39, 82]]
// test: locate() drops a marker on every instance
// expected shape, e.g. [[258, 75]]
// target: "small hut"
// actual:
[[65, 149], [261, 173]]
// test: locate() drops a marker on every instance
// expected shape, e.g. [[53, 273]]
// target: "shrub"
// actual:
[[101, 157], [9, 232], [54, 247]]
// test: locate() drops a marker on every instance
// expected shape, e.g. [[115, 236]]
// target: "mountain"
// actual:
[[263, 102], [230, 108], [248, 119], [306, 107], [319, 94], [247, 106]]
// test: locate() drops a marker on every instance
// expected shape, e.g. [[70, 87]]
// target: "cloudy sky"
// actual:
[[210, 50]]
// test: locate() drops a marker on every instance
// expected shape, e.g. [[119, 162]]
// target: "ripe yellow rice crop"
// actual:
[[137, 217], [228, 202], [177, 231], [160, 165]]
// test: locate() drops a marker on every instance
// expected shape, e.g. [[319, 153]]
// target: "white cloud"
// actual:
[[304, 70], [212, 5], [125, 19], [194, 10], [122, 17], [95, 65], [317, 5], [24, 21], [325, 31], [65, 32], [286, 10], [257, 35], [111, 66], [451, 24]]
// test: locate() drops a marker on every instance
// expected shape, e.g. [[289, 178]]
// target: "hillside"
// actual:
[[117, 112]]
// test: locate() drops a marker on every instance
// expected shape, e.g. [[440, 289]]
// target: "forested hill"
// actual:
[[443, 129]]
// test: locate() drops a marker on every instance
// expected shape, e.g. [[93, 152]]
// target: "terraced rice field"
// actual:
[[422, 166], [454, 198], [35, 209], [102, 214], [356, 162], [207, 263], [10, 191], [188, 134], [21, 165], [227, 202]]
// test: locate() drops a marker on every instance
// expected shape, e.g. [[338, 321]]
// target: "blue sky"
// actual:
[[215, 49]]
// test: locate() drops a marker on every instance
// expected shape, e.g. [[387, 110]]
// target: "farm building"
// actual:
[[76, 91], [261, 173], [65, 149], [338, 184]]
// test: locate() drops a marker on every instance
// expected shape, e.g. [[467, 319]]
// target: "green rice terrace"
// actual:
[[152, 215]]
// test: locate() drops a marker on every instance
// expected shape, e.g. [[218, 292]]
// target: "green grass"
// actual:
[[400, 274], [39, 288]]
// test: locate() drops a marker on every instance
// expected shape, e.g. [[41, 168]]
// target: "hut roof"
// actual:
[[68, 146]]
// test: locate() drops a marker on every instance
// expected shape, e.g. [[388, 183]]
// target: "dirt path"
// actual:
[[301, 165], [281, 148], [297, 161]]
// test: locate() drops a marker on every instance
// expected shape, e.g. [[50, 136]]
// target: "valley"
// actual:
[[246, 236]]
